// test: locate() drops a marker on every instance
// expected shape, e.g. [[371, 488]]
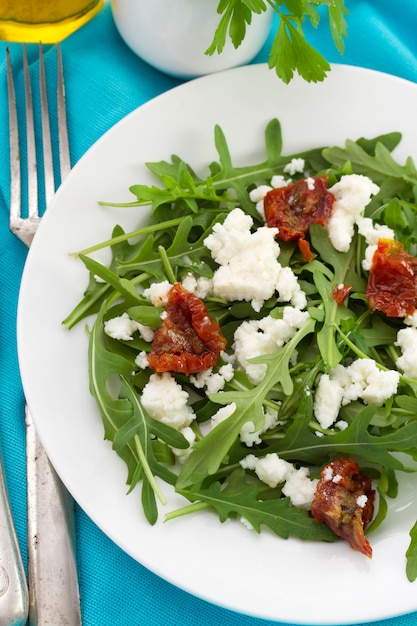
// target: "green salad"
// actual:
[[254, 344]]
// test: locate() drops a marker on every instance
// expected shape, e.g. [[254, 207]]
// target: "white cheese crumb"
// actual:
[[182, 454], [300, 488], [328, 473], [289, 289], [360, 380], [249, 436], [157, 293], [213, 381], [146, 332], [257, 337], [352, 194], [249, 269], [411, 320], [407, 341], [311, 183], [200, 286], [372, 233], [295, 166], [362, 500], [141, 360], [368, 257], [259, 193], [231, 237], [121, 327], [327, 401], [223, 413], [257, 196], [369, 382], [166, 401], [278, 181], [273, 470], [249, 462]]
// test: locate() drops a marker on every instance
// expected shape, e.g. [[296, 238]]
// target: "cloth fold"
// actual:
[[105, 81]]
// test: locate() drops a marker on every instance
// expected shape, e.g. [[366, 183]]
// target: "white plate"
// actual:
[[226, 564]]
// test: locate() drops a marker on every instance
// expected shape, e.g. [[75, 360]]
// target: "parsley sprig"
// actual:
[[290, 51]]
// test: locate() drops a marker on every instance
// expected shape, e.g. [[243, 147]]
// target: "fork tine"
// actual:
[[15, 184], [64, 151], [30, 143], [48, 165]]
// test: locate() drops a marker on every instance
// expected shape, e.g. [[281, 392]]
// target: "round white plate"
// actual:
[[226, 564]]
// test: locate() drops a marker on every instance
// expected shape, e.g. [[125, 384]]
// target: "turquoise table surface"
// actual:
[[105, 81]]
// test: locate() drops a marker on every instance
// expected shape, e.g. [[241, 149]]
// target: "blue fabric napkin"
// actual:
[[105, 81]]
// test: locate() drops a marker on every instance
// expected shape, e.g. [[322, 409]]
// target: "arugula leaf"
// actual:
[[411, 554], [241, 497], [302, 444], [377, 166]]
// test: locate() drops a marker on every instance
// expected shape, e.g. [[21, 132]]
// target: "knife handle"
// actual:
[[53, 581], [13, 588]]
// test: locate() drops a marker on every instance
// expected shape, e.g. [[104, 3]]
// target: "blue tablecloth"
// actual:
[[105, 81]]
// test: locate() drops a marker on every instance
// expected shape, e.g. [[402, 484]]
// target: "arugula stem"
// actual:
[[353, 347], [81, 310], [122, 205], [167, 265], [186, 510], [392, 353], [147, 470], [140, 278], [130, 235]]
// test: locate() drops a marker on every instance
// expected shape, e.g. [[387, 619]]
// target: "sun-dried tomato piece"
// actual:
[[344, 500], [188, 340], [304, 248], [340, 293], [292, 209], [392, 282]]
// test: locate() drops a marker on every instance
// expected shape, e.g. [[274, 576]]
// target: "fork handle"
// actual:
[[13, 589], [53, 582]]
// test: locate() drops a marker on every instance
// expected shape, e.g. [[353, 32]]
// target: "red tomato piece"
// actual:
[[304, 247], [188, 340], [392, 282], [340, 293], [344, 500], [292, 209]]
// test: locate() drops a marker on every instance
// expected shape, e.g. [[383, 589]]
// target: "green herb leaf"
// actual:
[[242, 498], [411, 554], [290, 52]]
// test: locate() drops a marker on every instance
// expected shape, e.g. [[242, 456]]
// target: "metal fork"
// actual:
[[53, 582]]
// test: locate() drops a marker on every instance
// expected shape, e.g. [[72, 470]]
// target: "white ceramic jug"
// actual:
[[173, 35]]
